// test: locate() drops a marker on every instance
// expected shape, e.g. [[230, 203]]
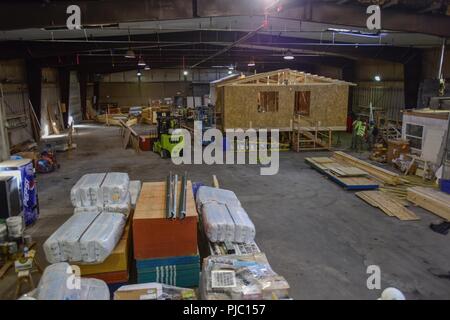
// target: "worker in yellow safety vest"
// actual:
[[355, 128], [360, 134]]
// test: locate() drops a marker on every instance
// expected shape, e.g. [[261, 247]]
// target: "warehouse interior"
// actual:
[[100, 100]]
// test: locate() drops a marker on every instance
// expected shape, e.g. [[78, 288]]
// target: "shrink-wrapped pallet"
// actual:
[[224, 219], [207, 194], [101, 237], [135, 190], [58, 282], [244, 230], [123, 208], [68, 234], [114, 189], [86, 192], [217, 222]]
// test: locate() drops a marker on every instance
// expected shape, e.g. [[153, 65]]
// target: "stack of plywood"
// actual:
[[349, 177], [165, 250], [385, 176], [431, 199], [390, 205]]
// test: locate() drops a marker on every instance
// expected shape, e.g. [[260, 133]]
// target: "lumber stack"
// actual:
[[381, 174], [430, 199], [165, 249], [350, 178], [391, 206]]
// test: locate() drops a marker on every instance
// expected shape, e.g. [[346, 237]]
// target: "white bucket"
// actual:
[[15, 226]]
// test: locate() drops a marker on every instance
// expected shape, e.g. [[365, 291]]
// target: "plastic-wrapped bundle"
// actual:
[[135, 190], [56, 284], [69, 234], [86, 192], [244, 230], [123, 208], [241, 277], [224, 219], [101, 238], [208, 194], [114, 189], [217, 222], [78, 210]]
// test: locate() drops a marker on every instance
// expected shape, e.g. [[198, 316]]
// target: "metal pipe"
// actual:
[[441, 62], [169, 196], [182, 213], [174, 197]]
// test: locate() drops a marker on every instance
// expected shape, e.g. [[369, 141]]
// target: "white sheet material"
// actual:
[[123, 208], [208, 194], [101, 238], [114, 189], [58, 247], [135, 190], [85, 193], [88, 237], [223, 217], [58, 283]]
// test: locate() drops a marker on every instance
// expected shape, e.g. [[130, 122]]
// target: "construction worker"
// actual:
[[372, 135], [360, 134], [355, 126]]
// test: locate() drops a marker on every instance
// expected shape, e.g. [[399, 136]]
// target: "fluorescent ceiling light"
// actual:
[[288, 55], [141, 62], [147, 67], [130, 54], [251, 63]]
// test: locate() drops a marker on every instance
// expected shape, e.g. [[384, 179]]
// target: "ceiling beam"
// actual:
[[14, 14]]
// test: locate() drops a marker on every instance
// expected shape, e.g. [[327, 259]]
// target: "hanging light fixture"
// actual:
[[251, 63], [377, 78], [130, 53], [147, 67], [141, 62], [230, 71], [288, 55], [139, 73], [185, 73]]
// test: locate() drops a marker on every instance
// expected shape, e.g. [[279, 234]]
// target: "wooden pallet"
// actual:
[[391, 206], [430, 199]]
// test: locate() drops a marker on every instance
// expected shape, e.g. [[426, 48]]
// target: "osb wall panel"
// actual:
[[328, 105]]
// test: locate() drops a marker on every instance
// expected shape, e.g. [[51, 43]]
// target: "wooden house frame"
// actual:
[[242, 102]]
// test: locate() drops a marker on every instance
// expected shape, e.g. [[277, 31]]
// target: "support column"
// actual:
[[4, 139], [34, 84], [82, 78], [412, 71], [64, 91]]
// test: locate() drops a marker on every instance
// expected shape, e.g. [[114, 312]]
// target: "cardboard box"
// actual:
[[155, 236]]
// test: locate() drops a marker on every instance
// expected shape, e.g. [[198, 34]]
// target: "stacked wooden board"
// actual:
[[430, 199], [385, 176], [390, 205], [165, 249], [349, 177]]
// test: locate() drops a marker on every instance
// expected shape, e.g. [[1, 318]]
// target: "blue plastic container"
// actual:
[[445, 186]]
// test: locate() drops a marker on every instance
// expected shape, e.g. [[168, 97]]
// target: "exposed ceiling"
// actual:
[[206, 33]]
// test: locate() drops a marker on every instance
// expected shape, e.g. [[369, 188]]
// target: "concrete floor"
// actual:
[[320, 237]]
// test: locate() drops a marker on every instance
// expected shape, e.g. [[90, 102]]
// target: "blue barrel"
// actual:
[[445, 186]]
